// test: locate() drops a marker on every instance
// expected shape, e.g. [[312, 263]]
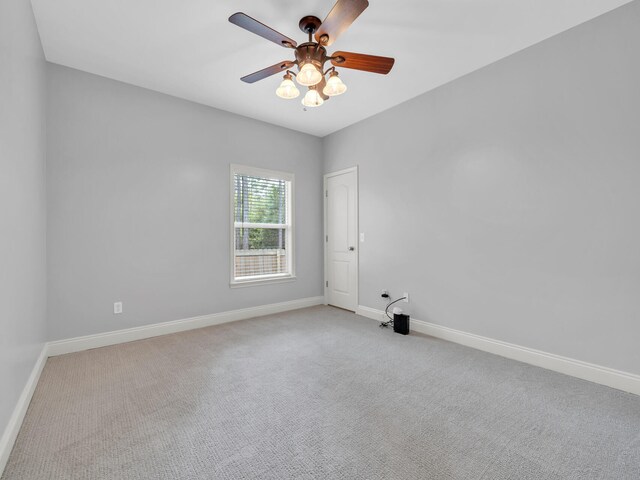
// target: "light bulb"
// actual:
[[334, 86], [287, 88], [312, 98], [309, 75]]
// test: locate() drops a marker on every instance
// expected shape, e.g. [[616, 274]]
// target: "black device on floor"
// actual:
[[401, 323]]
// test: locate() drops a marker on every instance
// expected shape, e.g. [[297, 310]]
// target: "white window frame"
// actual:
[[288, 226]]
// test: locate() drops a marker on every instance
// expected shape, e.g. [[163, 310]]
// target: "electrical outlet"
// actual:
[[361, 237], [117, 307], [406, 297]]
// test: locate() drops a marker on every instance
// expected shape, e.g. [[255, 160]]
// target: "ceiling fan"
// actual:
[[310, 57]]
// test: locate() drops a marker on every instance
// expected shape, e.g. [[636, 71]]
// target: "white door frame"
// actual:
[[326, 257]]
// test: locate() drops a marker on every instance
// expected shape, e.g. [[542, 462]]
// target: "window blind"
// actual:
[[261, 226]]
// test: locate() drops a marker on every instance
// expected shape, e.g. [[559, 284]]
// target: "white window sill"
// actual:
[[262, 281]]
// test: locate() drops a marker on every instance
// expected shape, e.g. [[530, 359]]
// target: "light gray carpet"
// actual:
[[318, 394]]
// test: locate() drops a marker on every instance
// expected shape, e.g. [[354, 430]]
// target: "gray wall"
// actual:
[[507, 202], [138, 205], [22, 201]]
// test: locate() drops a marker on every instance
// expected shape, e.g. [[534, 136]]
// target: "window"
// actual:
[[261, 225]]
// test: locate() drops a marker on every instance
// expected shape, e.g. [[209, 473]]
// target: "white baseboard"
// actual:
[[77, 344], [617, 379], [15, 421]]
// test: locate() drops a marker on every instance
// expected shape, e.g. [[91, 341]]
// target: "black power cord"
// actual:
[[386, 312]]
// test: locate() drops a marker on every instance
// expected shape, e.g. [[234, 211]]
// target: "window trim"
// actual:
[[290, 227]]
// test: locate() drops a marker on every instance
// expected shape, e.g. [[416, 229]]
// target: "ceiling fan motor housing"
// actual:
[[311, 52]]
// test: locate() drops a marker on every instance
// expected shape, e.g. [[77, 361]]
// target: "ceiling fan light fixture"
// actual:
[[287, 88], [335, 86], [311, 56], [309, 75], [312, 98]]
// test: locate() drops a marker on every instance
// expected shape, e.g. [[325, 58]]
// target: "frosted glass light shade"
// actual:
[[312, 99], [309, 75], [334, 86], [287, 89]]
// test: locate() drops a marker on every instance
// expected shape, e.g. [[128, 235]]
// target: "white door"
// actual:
[[341, 235]]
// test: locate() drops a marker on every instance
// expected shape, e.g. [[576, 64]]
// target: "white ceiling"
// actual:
[[190, 50]]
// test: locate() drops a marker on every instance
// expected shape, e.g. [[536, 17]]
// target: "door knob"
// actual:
[[351, 249]]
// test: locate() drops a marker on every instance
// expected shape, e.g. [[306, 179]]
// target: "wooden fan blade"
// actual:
[[254, 26], [359, 61], [267, 72], [343, 13]]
